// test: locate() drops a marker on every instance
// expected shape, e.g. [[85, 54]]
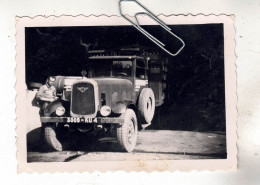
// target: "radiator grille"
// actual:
[[83, 99]]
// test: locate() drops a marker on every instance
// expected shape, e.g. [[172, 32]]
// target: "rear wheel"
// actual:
[[127, 133], [51, 139], [146, 105]]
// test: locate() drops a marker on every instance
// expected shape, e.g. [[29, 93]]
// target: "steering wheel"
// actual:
[[122, 74]]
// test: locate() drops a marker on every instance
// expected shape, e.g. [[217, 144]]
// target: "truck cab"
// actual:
[[112, 95]]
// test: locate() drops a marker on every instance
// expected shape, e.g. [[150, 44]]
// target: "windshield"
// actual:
[[110, 68]]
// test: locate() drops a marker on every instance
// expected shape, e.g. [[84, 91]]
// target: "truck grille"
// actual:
[[83, 99]]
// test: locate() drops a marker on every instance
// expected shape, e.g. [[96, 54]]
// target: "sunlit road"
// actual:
[[151, 145]]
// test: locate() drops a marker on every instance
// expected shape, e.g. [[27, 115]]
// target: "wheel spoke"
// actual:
[[127, 134], [131, 132]]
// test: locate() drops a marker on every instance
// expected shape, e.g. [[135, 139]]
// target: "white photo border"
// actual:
[[103, 166]]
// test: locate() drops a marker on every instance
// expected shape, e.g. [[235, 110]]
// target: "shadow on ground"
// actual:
[[151, 145], [73, 141]]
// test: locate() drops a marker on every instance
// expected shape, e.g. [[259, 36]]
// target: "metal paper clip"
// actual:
[[148, 35]]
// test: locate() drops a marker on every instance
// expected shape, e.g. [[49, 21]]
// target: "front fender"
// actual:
[[51, 108], [120, 107]]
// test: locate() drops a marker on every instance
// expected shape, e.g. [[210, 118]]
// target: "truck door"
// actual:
[[141, 75]]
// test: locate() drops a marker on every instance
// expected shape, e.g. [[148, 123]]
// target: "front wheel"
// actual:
[[51, 139], [127, 133]]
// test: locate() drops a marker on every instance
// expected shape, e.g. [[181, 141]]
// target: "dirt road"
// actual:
[[151, 145]]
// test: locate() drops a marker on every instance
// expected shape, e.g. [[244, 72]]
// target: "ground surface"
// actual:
[[151, 145]]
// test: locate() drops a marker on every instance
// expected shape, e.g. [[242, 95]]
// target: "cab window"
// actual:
[[110, 68], [140, 69]]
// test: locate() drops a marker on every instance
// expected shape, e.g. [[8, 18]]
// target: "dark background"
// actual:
[[197, 74]]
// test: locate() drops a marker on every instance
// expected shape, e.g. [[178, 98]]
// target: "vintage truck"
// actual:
[[112, 95]]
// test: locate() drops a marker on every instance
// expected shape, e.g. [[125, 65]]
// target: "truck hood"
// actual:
[[112, 90], [112, 81]]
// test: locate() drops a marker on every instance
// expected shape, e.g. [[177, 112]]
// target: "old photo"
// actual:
[[94, 93]]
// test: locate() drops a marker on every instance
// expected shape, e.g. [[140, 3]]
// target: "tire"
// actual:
[[127, 133], [146, 105], [35, 85], [50, 138]]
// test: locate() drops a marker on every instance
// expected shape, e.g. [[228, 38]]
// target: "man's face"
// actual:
[[51, 81]]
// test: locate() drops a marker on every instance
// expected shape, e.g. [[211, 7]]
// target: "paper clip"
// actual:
[[148, 35]]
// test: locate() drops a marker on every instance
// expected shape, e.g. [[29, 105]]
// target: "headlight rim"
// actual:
[[63, 109], [105, 108]]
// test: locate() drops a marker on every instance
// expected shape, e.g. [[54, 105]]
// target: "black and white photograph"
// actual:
[[121, 93]]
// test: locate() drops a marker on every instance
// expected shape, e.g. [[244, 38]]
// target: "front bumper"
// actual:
[[97, 120]]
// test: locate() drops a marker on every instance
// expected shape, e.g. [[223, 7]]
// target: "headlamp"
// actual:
[[105, 110], [60, 111]]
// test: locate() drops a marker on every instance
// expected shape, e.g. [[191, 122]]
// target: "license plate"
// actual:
[[81, 120]]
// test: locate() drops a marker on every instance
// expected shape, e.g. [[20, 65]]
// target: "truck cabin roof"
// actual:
[[115, 57]]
